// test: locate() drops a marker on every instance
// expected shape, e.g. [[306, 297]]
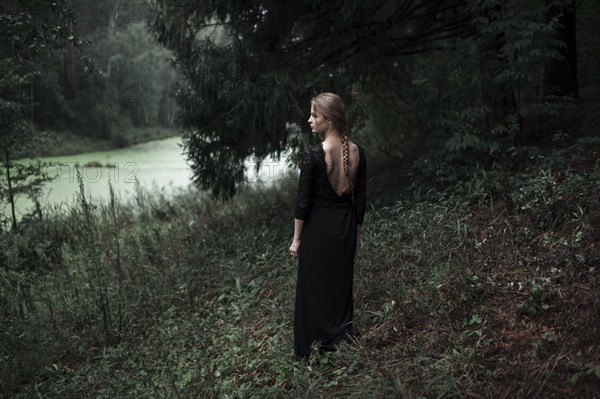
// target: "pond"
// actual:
[[157, 165]]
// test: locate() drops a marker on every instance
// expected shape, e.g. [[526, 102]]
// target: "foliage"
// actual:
[[419, 92], [457, 293], [251, 68], [97, 71], [135, 85], [477, 280], [27, 34], [434, 111]]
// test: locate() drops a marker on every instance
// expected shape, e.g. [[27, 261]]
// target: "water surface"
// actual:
[[157, 165]]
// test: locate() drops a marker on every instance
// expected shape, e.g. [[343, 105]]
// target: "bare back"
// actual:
[[335, 166]]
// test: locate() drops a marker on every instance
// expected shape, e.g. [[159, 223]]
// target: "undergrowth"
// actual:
[[485, 288]]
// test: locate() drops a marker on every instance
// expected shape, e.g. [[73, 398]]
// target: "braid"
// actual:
[[345, 152]]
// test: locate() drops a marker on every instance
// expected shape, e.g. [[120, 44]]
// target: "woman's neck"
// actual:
[[332, 135]]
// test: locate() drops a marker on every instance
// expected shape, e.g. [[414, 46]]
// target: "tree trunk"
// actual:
[[111, 29], [560, 75], [69, 69], [10, 194]]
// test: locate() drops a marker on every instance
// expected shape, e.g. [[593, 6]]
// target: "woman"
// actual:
[[330, 209]]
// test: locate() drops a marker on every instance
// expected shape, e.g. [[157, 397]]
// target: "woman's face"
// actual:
[[317, 121]]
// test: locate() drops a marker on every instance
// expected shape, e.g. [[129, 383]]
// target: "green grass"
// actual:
[[485, 289]]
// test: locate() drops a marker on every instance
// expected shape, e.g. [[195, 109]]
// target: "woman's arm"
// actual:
[[303, 199], [295, 247]]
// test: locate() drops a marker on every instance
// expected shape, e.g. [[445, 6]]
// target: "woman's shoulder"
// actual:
[[357, 148], [312, 150], [310, 154]]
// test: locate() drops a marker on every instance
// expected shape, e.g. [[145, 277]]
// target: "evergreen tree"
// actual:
[[251, 67]]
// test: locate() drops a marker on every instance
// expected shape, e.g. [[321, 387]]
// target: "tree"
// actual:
[[136, 75], [29, 29], [251, 67]]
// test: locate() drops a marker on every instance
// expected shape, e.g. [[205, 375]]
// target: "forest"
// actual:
[[479, 262]]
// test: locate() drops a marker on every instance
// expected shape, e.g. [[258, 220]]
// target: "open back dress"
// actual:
[[324, 304]]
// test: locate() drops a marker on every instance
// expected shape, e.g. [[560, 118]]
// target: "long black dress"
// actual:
[[324, 305]]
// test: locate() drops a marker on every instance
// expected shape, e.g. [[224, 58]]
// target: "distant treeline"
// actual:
[[126, 83]]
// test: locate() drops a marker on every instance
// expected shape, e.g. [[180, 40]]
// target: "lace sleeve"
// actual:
[[360, 190], [305, 186]]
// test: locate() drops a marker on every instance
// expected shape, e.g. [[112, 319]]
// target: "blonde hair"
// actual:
[[332, 108]]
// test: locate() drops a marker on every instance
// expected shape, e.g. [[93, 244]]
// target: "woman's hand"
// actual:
[[294, 248]]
